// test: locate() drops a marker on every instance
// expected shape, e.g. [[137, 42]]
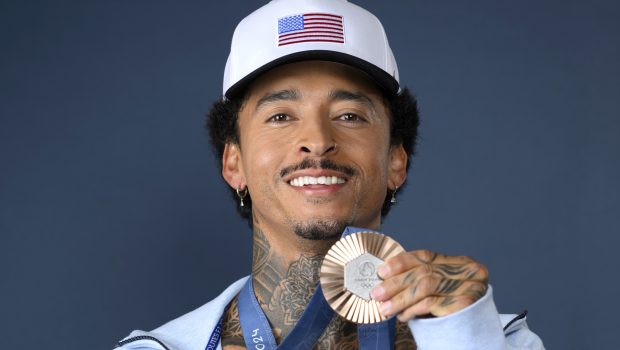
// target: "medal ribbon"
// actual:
[[257, 330]]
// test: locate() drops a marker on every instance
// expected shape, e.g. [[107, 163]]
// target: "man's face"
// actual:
[[314, 150]]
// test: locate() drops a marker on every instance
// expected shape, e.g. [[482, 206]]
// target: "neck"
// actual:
[[285, 275]]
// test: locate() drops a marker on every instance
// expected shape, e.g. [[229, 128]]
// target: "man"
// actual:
[[315, 135]]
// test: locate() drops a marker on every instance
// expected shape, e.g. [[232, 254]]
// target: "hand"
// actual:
[[424, 283]]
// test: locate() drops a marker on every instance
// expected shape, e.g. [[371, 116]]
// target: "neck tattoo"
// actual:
[[283, 290]]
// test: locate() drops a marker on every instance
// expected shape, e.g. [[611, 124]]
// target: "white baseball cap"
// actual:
[[286, 31]]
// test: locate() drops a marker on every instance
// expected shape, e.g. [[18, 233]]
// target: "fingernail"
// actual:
[[385, 308], [383, 270], [377, 292]]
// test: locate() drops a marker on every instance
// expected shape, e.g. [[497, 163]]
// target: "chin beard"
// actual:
[[320, 229]]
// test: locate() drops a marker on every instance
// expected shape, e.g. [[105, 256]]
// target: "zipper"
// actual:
[[519, 317], [141, 337]]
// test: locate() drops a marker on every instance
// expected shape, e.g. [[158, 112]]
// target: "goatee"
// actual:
[[320, 229]]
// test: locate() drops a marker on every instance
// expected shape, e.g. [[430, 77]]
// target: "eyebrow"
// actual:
[[334, 95], [282, 95], [345, 95]]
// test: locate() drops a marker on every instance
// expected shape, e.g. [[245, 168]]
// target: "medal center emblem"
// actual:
[[360, 275], [367, 269]]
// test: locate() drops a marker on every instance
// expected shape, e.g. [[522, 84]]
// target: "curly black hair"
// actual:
[[222, 126]]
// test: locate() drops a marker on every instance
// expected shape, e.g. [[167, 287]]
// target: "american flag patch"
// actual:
[[310, 27]]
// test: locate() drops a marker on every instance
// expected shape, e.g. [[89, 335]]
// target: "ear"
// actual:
[[232, 166], [397, 166]]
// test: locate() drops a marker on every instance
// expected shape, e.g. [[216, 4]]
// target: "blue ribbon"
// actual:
[[257, 330], [214, 339]]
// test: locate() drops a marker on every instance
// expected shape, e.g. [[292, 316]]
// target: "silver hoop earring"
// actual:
[[393, 200], [241, 194]]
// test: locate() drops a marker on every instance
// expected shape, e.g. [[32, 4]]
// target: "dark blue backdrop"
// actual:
[[113, 215]]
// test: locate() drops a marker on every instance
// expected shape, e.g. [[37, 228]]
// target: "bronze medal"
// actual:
[[349, 273]]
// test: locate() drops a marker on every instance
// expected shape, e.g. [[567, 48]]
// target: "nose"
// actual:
[[316, 138]]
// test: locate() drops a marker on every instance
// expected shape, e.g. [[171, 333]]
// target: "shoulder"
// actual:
[[188, 332]]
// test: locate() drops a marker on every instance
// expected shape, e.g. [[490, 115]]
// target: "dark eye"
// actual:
[[279, 118], [350, 117]]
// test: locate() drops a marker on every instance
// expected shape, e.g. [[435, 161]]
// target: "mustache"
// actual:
[[324, 163]]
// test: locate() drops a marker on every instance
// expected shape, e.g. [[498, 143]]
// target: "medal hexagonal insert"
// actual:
[[360, 275]]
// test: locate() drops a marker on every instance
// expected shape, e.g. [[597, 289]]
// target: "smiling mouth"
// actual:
[[319, 180]]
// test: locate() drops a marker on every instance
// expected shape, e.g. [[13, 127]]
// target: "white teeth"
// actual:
[[311, 180]]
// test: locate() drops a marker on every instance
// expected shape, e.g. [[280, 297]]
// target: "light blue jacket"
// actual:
[[477, 327]]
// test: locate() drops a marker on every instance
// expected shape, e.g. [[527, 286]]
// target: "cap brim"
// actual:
[[385, 81]]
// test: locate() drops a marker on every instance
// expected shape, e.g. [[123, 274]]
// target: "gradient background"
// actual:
[[113, 216]]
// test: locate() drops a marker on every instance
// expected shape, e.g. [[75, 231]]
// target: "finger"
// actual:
[[395, 284], [425, 287], [430, 285], [442, 305], [455, 267], [407, 260], [472, 271], [421, 308], [447, 273], [447, 288], [452, 304]]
